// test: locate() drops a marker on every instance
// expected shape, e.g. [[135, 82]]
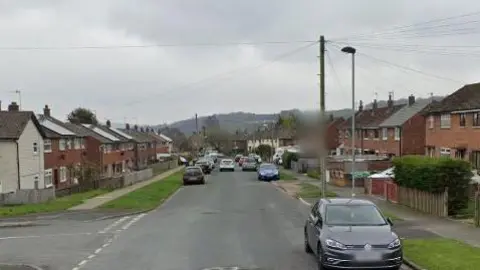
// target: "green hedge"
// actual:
[[434, 175], [287, 159]]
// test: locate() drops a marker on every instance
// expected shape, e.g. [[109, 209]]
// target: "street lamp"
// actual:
[[352, 51]]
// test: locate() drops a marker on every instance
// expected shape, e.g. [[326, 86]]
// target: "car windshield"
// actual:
[[268, 167], [353, 215]]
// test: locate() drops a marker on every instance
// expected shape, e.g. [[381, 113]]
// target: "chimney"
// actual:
[[142, 130], [13, 107], [411, 100], [374, 105], [46, 111], [360, 107], [390, 101], [109, 124], [127, 126], [135, 127]]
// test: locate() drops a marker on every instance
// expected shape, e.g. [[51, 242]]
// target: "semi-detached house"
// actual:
[[144, 149], [65, 152], [21, 151]]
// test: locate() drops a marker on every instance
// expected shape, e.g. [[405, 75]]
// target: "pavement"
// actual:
[[232, 221], [431, 225]]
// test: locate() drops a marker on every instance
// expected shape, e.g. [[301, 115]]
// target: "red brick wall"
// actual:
[[332, 138], [65, 158], [388, 146], [92, 146], [413, 136]]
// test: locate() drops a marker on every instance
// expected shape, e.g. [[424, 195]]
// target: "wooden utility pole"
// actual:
[[323, 131]]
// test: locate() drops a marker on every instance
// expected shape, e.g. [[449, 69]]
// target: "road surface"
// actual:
[[232, 221]]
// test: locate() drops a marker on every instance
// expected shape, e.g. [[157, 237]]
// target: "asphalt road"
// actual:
[[232, 221]]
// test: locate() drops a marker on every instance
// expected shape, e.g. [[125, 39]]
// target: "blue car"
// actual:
[[268, 172]]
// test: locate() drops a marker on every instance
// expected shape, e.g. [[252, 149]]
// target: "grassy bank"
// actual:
[[56, 205], [442, 254], [312, 191], [287, 176], [147, 197]]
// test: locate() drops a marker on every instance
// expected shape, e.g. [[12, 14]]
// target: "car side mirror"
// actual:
[[318, 222], [390, 221]]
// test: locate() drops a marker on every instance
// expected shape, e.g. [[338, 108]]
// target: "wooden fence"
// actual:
[[430, 203]]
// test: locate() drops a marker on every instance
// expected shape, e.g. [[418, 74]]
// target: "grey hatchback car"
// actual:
[[346, 233], [250, 164]]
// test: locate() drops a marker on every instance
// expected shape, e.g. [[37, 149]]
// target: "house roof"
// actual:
[[86, 132], [138, 136], [55, 128], [12, 124], [156, 137], [371, 118], [405, 113], [168, 139], [111, 133], [465, 98]]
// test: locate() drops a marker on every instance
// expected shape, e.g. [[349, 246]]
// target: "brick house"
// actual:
[[144, 149], [453, 125], [403, 133], [332, 135], [109, 153], [367, 130], [160, 144], [64, 151], [21, 151]]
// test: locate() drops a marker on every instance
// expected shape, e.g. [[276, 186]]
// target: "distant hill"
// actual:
[[245, 120]]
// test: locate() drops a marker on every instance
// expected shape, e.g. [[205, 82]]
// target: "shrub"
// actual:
[[434, 175], [287, 159], [313, 173]]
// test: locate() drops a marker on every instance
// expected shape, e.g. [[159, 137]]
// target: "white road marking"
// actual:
[[131, 222], [114, 224], [304, 202], [98, 250], [40, 236], [82, 262], [91, 256]]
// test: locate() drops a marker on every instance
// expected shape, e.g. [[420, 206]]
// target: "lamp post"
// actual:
[[352, 51]]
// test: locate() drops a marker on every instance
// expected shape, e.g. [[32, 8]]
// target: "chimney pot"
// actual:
[[46, 111], [390, 101], [142, 130], [13, 107], [135, 127], [360, 107], [375, 104], [109, 124], [127, 126], [411, 100]]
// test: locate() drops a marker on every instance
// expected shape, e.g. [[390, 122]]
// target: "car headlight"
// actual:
[[334, 244], [396, 243]]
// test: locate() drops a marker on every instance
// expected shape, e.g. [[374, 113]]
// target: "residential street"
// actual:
[[234, 220]]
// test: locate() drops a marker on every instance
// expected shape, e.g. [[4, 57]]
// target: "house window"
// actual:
[[69, 143], [63, 174], [82, 143], [476, 119], [384, 134], [445, 120], [444, 152], [376, 134], [462, 119], [397, 133], [430, 151], [62, 144], [47, 146], [431, 121], [35, 148], [76, 143], [48, 178], [475, 159]]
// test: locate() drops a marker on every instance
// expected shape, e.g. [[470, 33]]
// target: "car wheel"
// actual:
[[221, 170], [308, 249], [319, 259]]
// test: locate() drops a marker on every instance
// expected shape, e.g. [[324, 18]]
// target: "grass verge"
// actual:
[[287, 176], [56, 205], [313, 174], [442, 254], [312, 191], [147, 197]]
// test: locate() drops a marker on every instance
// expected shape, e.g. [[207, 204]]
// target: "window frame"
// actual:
[[397, 133], [35, 148], [462, 119], [47, 146], [48, 174], [62, 174], [384, 134], [62, 144], [443, 120], [476, 119]]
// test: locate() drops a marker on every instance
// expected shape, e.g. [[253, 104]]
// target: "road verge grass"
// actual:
[[287, 176], [60, 204], [442, 254], [311, 191], [147, 197]]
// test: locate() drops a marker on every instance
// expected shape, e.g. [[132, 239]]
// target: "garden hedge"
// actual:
[[287, 159], [434, 175]]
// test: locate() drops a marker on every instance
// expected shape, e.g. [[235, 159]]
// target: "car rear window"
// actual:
[[193, 171]]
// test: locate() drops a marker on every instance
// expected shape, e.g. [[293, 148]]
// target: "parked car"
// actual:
[[205, 165], [345, 233], [227, 165], [211, 162], [267, 172], [241, 161], [250, 164], [193, 175]]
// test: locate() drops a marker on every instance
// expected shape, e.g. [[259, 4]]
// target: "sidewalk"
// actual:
[[97, 201], [440, 226]]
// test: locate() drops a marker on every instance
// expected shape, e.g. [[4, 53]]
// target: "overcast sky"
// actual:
[[154, 85]]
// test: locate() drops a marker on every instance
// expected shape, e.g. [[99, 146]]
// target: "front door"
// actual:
[[55, 178]]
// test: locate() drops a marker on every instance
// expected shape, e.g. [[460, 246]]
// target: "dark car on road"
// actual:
[[205, 165], [193, 175], [267, 172], [249, 164], [346, 233]]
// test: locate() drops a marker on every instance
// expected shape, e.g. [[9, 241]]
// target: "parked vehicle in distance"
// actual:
[[258, 159], [238, 157], [193, 175], [249, 164], [205, 165], [241, 161], [211, 162], [268, 172], [346, 233], [227, 165]]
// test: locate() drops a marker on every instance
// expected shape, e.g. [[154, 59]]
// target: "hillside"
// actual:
[[244, 120]]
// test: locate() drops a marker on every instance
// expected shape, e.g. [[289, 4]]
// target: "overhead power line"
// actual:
[[109, 47]]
